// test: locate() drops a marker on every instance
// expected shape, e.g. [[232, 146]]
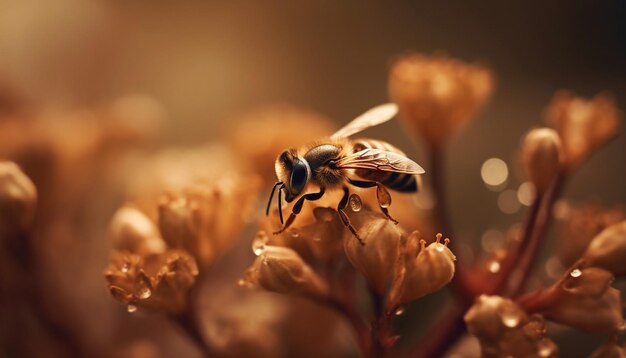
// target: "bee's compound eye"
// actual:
[[298, 177]]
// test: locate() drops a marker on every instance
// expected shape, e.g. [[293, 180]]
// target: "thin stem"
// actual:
[[544, 218], [381, 327], [437, 175], [442, 336], [189, 320], [514, 255]]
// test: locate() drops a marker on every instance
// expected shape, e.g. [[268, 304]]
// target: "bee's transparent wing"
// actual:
[[380, 160], [373, 117]]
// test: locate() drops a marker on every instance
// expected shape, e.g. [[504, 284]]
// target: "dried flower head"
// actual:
[[608, 249], [542, 157], [263, 132], [421, 269], [18, 199], [375, 258], [504, 329], [578, 225], [581, 291], [157, 282], [282, 270], [438, 95], [583, 125]]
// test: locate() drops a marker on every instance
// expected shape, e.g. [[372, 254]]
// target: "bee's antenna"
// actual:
[[269, 202], [280, 203]]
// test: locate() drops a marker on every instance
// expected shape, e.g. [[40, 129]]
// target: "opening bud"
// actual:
[[541, 157]]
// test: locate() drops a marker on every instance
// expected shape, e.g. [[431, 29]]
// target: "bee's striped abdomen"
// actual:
[[396, 181]]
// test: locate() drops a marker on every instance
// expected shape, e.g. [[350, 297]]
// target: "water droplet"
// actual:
[[258, 245], [440, 247], [384, 198], [399, 311], [494, 267], [244, 283], [125, 267], [143, 287], [355, 203], [295, 234], [131, 308], [545, 348], [510, 318], [575, 273]]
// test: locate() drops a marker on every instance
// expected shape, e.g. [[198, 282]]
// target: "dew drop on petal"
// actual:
[[384, 198], [399, 311], [125, 267], [258, 245], [510, 318], [545, 348], [355, 203], [494, 266], [575, 273], [295, 234], [131, 308], [143, 287]]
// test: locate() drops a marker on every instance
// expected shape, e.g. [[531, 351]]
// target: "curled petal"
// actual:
[[608, 249]]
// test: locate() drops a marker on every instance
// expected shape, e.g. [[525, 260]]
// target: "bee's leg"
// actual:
[[344, 218], [297, 207], [382, 194]]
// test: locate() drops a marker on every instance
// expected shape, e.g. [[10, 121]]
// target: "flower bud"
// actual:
[[18, 199], [583, 125], [131, 230], [438, 95], [280, 269], [608, 249], [376, 257], [541, 157], [157, 282], [504, 329], [580, 292], [421, 269]]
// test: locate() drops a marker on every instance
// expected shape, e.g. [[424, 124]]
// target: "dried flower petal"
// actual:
[[438, 95], [504, 329], [421, 269], [579, 292], [608, 249], [376, 258], [583, 125], [579, 224], [541, 157], [18, 199], [280, 269], [133, 231]]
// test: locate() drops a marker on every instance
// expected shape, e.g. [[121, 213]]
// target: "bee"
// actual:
[[337, 162]]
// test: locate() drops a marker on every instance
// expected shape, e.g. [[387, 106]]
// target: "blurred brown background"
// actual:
[[205, 61]]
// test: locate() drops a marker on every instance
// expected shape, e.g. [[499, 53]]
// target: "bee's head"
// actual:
[[294, 172]]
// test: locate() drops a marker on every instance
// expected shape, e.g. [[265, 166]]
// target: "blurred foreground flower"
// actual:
[[18, 199], [608, 249], [504, 329], [438, 95], [584, 125]]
